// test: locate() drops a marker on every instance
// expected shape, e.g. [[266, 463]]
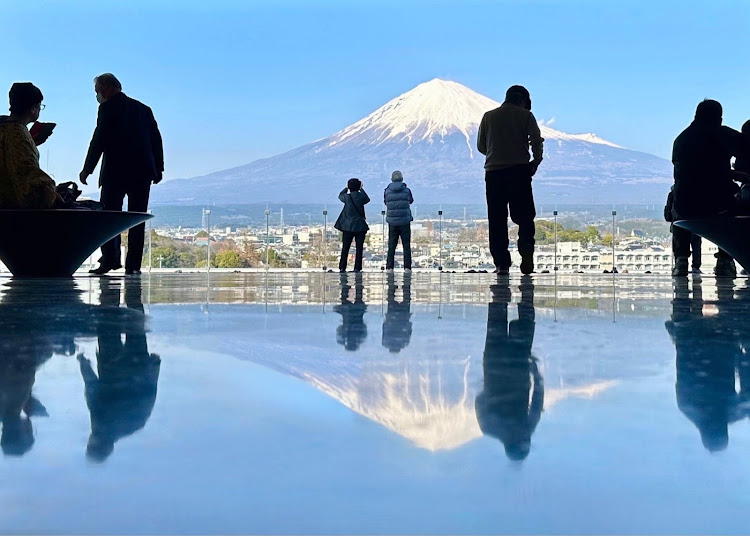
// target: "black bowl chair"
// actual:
[[732, 234], [54, 243]]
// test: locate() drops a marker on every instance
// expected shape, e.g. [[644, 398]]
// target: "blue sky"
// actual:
[[233, 81]]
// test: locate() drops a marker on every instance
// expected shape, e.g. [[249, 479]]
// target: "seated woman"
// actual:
[[23, 184]]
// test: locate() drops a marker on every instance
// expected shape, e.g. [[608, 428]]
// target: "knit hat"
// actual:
[[396, 176]]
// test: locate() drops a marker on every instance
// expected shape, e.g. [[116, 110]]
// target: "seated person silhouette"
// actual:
[[23, 184], [510, 405], [32, 329], [121, 398], [709, 350], [17, 404], [353, 330], [397, 324]]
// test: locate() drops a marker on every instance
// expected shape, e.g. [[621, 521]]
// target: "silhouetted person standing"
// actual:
[[352, 223], [704, 180], [127, 139], [397, 325], [353, 331], [505, 135], [122, 396], [510, 405], [397, 198]]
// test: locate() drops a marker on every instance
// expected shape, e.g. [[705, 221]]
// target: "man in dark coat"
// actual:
[[704, 182], [505, 136], [128, 140], [352, 223]]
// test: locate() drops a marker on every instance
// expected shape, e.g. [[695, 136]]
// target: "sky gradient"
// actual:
[[234, 81]]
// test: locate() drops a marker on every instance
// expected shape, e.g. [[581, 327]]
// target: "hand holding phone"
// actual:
[[41, 131]]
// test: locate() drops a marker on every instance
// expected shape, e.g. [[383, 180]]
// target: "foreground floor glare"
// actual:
[[375, 403]]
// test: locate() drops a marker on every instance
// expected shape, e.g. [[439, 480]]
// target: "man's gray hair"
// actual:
[[108, 80]]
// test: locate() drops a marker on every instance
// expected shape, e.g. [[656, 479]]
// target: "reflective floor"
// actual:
[[314, 403]]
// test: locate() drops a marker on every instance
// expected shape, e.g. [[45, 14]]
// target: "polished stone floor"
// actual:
[[319, 403]]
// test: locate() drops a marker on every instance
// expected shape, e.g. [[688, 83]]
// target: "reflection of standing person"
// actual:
[[127, 139], [504, 137], [352, 223], [121, 398], [397, 323], [398, 198], [709, 351], [353, 331], [510, 405]]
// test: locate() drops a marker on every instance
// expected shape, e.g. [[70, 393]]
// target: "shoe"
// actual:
[[527, 264], [680, 267], [407, 269], [725, 268], [501, 271], [342, 270], [696, 271], [132, 272], [104, 268], [389, 270]]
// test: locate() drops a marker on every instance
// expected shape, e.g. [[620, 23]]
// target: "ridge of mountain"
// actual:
[[429, 133]]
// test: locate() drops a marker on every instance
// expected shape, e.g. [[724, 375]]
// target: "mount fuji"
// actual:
[[429, 133]]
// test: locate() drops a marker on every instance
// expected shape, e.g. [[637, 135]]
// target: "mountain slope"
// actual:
[[429, 133]]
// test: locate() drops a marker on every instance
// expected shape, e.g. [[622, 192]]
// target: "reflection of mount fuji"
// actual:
[[430, 402]]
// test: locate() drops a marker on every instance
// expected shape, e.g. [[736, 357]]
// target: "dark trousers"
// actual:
[[684, 243], [394, 233], [112, 198], [359, 239], [510, 188]]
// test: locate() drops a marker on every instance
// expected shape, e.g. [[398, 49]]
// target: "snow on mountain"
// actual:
[[429, 133]]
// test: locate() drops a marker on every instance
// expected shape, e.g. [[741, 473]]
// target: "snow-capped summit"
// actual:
[[431, 111], [434, 109], [429, 133]]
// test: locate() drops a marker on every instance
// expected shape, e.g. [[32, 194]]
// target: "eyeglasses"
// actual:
[[42, 107]]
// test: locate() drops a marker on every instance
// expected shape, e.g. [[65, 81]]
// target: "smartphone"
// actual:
[[41, 130]]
